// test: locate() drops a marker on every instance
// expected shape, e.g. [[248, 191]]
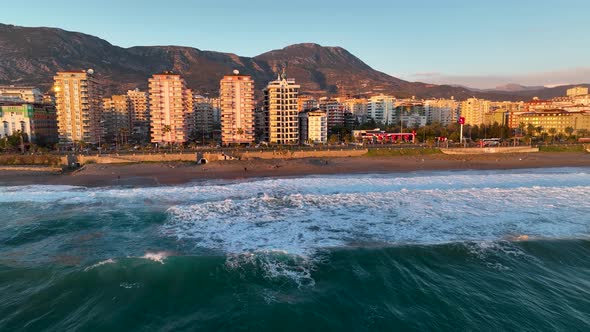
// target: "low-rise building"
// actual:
[[313, 125], [20, 94], [37, 121]]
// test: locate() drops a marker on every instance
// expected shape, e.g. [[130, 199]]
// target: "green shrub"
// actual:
[[18, 159], [561, 148]]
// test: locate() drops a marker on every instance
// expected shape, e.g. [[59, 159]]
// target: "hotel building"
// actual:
[[556, 119], [171, 108], [280, 105], [78, 101], [237, 109]]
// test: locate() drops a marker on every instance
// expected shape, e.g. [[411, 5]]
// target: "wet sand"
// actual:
[[150, 174]]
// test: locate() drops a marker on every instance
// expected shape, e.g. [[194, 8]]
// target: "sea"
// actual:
[[501, 250]]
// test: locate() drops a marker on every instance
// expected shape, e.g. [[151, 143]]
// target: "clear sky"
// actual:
[[481, 43]]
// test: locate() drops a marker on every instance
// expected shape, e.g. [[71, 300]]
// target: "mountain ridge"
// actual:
[[32, 55]]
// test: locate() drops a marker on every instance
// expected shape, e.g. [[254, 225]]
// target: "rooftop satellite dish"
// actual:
[[236, 72], [90, 71]]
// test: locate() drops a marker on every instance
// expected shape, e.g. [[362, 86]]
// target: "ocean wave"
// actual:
[[301, 224]]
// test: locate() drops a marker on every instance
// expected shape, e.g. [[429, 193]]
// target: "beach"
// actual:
[[171, 173]]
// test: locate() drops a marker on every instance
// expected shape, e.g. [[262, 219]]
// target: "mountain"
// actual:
[[32, 56]]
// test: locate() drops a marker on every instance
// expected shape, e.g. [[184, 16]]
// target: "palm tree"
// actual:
[[521, 127], [569, 131], [539, 129], [165, 130], [552, 131], [530, 129]]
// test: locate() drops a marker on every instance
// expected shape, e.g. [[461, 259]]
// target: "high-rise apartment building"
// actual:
[[577, 91], [306, 103], [204, 116], [171, 108], [116, 118], [78, 100], [335, 111], [473, 110], [381, 109], [443, 111], [280, 105], [140, 114], [140, 107], [357, 107], [237, 109]]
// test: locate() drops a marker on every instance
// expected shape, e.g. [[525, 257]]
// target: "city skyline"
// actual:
[[477, 45]]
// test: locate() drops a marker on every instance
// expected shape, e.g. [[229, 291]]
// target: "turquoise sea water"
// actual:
[[465, 250]]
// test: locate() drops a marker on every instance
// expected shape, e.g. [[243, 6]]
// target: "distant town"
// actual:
[[77, 115]]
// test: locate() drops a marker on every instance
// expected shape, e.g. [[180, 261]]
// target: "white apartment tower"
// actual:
[[237, 109], [280, 105], [314, 126], [171, 108], [381, 109]]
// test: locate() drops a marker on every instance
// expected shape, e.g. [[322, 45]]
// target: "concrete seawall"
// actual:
[[210, 156], [121, 159], [487, 150]]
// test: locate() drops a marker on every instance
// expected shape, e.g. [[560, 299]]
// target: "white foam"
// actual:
[[156, 256], [301, 224], [108, 261]]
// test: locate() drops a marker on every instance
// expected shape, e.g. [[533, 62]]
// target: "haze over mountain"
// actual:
[[32, 56], [512, 87]]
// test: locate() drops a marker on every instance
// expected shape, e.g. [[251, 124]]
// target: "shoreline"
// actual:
[[175, 173]]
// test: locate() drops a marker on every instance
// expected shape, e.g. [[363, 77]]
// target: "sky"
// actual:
[[477, 43]]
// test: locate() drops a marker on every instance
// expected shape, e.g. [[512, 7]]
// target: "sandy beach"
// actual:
[[153, 174]]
